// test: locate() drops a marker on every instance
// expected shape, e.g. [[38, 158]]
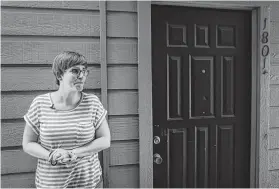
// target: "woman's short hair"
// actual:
[[66, 60]]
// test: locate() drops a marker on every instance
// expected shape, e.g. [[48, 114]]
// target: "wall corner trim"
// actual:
[[264, 95], [145, 94], [104, 83]]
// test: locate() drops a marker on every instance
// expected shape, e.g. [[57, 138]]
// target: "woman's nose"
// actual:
[[79, 75]]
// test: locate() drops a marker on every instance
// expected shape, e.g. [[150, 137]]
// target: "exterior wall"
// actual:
[[33, 33], [273, 136]]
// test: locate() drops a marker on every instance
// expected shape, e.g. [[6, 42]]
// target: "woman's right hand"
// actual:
[[60, 155], [63, 156]]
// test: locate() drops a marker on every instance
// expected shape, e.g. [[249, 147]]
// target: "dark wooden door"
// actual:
[[201, 71]]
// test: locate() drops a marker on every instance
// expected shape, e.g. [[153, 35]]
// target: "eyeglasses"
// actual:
[[76, 72]]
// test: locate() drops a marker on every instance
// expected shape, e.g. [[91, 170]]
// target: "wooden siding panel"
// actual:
[[123, 77], [274, 175], [16, 161], [23, 180], [274, 31], [86, 5], [40, 78], [273, 159], [124, 127], [124, 176], [274, 117], [120, 24], [51, 24], [274, 95], [121, 177], [16, 105], [121, 128], [274, 74], [30, 50], [19, 79], [274, 16], [120, 103], [273, 138], [124, 153], [274, 53], [122, 51], [12, 133], [125, 6]]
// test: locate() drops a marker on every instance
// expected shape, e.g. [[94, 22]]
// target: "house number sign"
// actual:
[[265, 48]]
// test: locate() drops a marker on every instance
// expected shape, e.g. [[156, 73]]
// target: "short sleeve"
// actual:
[[32, 117], [99, 114]]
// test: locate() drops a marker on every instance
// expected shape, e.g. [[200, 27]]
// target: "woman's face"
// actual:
[[74, 78]]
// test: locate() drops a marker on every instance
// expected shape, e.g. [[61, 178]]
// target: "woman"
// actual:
[[66, 129]]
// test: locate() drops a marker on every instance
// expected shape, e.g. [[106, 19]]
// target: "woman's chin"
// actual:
[[78, 87]]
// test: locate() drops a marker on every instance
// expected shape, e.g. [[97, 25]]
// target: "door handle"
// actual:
[[157, 159], [156, 140]]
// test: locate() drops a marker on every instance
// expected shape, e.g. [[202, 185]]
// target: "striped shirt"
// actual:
[[67, 129]]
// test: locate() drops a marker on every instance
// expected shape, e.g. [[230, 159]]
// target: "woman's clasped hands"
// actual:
[[61, 156]]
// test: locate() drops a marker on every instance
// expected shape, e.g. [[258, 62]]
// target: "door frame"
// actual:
[[260, 94]]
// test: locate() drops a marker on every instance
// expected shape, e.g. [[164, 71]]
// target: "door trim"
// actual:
[[259, 95]]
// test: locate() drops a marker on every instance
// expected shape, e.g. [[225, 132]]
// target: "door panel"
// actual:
[[201, 75]]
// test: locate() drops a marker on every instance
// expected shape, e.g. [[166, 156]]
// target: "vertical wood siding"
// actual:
[[273, 135], [33, 33]]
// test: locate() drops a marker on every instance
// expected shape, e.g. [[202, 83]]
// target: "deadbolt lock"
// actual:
[[156, 140]]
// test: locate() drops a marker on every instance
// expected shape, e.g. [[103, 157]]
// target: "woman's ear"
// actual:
[[59, 77]]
